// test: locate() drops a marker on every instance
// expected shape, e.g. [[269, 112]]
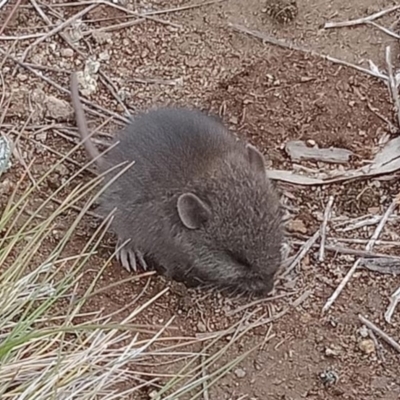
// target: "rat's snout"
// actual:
[[259, 285]]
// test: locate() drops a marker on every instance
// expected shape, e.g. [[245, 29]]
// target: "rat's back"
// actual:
[[170, 147]]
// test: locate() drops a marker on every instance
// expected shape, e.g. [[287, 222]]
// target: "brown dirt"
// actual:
[[271, 96]]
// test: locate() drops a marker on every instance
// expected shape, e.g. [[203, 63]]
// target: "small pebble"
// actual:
[[68, 53], [367, 346], [240, 373], [22, 77]]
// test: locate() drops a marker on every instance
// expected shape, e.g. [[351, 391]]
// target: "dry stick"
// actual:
[[57, 29], [3, 3], [287, 45], [392, 84], [138, 15], [327, 215], [385, 30], [394, 300], [261, 321], [378, 345], [369, 246], [116, 27], [12, 12], [183, 8], [106, 81], [380, 333], [355, 252], [302, 253], [66, 91], [361, 21]]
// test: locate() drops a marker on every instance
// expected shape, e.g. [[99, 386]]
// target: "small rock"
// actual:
[[102, 37], [67, 52], [5, 153], [22, 77], [240, 373], [297, 225], [58, 109], [331, 352], [201, 327], [329, 377], [363, 331], [6, 187], [367, 346]]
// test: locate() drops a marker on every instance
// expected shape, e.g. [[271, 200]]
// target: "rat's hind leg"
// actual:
[[127, 255]]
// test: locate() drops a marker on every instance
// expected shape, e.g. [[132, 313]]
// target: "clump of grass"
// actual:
[[71, 354]]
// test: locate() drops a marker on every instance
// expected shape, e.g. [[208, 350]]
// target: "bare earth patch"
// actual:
[[269, 95]]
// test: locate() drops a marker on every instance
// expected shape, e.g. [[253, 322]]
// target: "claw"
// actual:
[[142, 261], [127, 259]]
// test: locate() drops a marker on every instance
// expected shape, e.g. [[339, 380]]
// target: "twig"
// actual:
[[66, 91], [256, 302], [3, 3], [327, 215], [183, 8], [380, 333], [9, 16], [368, 247], [378, 345], [392, 84], [287, 45], [206, 395], [356, 252], [108, 83], [302, 253], [394, 301], [382, 265], [385, 30], [360, 21], [261, 321], [57, 29]]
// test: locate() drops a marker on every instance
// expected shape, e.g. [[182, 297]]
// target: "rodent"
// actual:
[[197, 200]]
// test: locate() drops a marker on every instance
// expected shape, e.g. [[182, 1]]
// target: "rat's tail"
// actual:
[[81, 120]]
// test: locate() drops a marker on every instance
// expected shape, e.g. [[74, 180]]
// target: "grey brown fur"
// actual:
[[197, 200]]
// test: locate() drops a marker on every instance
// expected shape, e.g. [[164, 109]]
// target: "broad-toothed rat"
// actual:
[[197, 201]]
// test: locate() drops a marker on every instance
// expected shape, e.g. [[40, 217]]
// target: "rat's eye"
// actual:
[[237, 258]]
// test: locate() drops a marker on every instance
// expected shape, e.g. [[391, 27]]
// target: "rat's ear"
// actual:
[[256, 159], [192, 211]]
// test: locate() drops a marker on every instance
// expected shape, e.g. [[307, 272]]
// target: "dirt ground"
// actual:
[[270, 95]]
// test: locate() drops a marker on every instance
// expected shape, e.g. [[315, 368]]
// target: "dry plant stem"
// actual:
[[287, 45], [206, 395], [385, 30], [392, 84], [378, 345], [261, 321], [302, 253], [12, 12], [3, 3], [66, 91], [57, 29], [394, 301], [359, 253], [149, 17], [361, 21], [369, 246], [380, 333], [106, 81], [327, 215]]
